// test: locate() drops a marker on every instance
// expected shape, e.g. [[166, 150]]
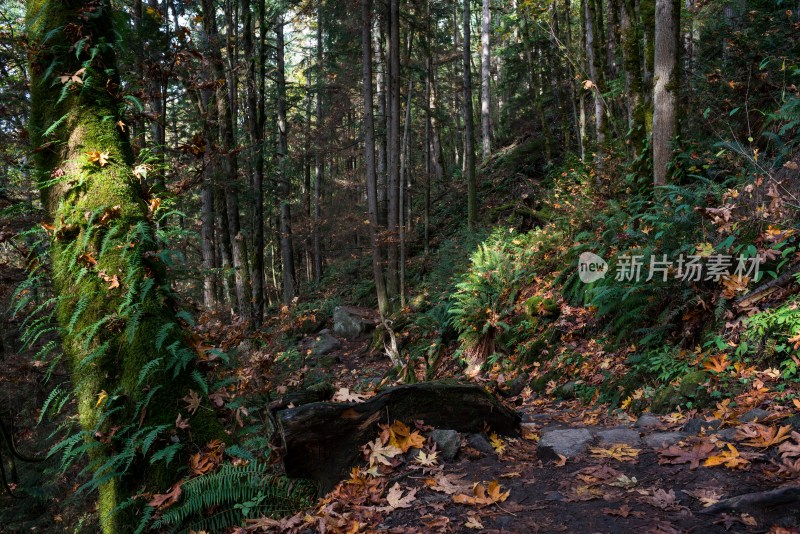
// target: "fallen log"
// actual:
[[760, 499], [323, 440]]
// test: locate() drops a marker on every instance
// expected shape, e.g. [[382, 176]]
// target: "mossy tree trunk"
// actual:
[[130, 362]]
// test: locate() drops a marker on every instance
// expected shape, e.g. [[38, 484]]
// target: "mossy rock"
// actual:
[[532, 353], [568, 390], [537, 306], [691, 384], [539, 383], [666, 399]]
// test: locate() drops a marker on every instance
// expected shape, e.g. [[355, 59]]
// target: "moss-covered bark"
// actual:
[[102, 237]]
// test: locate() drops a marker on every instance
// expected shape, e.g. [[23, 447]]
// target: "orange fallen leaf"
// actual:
[[101, 158], [755, 435], [483, 495]]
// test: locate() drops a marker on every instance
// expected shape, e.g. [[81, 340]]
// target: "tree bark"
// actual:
[[257, 161], [632, 66], [665, 85], [284, 188], [393, 151], [595, 74], [469, 130], [319, 162], [486, 18], [116, 239], [369, 158]]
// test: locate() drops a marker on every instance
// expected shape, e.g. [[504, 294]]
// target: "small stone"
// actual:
[[660, 440], [567, 442], [480, 443], [727, 434], [448, 442], [793, 420], [756, 414], [350, 322], [648, 421], [619, 435], [554, 496], [694, 426]]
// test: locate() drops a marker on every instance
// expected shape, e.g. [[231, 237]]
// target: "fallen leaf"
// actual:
[[473, 522], [730, 459], [483, 495], [379, 453], [706, 496], [623, 511], [561, 462], [449, 484], [761, 436], [497, 444], [101, 397], [344, 395], [619, 451], [192, 401], [675, 455], [427, 459], [181, 423], [396, 499], [101, 158], [403, 438], [165, 500]]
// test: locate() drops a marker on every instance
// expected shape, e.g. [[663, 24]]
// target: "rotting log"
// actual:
[[322, 440]]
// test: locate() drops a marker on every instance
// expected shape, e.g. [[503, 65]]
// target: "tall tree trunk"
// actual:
[[284, 189], [115, 243], [369, 158], [469, 130], [665, 86], [382, 129], [485, 79], [404, 171], [229, 166], [257, 160], [319, 162], [632, 66], [393, 150], [595, 74]]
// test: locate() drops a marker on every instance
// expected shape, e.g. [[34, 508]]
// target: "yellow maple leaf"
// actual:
[[400, 436], [101, 158], [718, 364], [619, 451], [730, 459], [497, 443]]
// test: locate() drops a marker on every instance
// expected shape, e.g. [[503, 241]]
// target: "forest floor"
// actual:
[[572, 469]]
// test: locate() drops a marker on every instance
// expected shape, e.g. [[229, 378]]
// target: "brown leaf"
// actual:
[[192, 401], [483, 495], [761, 436], [165, 500], [101, 158], [675, 455], [181, 423]]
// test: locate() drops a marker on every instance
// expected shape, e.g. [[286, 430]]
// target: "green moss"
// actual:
[[692, 383], [666, 399]]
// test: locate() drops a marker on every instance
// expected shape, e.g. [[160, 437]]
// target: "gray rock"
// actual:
[[648, 421], [569, 442], [554, 496], [694, 426], [660, 440], [324, 343], [727, 434], [619, 435], [350, 322], [447, 442], [480, 443], [753, 415]]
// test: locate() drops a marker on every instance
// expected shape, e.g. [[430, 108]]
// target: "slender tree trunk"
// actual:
[[665, 88], [595, 74], [485, 79], [404, 169], [369, 158], [319, 162], [393, 149], [257, 159], [284, 189], [469, 130], [632, 66], [229, 166], [382, 129], [88, 253]]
